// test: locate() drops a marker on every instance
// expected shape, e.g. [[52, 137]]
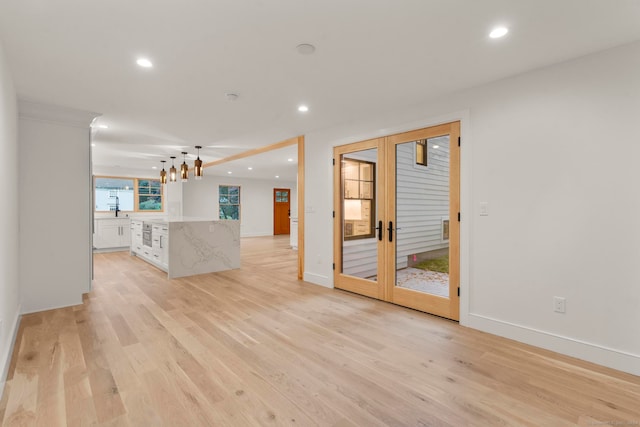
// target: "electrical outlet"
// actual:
[[559, 304]]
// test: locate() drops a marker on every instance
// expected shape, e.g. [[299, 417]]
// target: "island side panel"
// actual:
[[203, 247]]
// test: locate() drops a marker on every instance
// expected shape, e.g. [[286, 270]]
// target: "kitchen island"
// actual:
[[187, 246]]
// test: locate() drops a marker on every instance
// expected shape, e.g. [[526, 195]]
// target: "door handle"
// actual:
[[160, 242], [379, 228], [390, 230]]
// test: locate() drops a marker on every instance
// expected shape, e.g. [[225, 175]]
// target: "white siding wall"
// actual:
[[360, 257], [422, 200]]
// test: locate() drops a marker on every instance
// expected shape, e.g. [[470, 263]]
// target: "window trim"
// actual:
[[229, 204], [136, 198], [137, 195], [372, 201], [425, 148]]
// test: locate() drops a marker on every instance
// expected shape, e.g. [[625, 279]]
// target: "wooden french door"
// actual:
[[281, 210], [396, 233]]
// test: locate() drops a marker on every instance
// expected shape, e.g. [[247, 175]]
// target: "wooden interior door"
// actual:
[[281, 210], [401, 243]]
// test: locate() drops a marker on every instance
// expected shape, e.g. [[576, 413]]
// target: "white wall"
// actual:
[[55, 205], [555, 153], [200, 199], [9, 220]]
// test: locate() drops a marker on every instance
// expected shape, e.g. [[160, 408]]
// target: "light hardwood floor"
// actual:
[[257, 347]]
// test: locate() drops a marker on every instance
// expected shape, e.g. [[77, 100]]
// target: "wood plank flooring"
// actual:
[[255, 347]]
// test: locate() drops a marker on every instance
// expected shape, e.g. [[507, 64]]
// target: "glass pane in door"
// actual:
[[359, 214], [422, 216]]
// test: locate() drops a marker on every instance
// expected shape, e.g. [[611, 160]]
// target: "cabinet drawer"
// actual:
[[160, 229], [159, 242]]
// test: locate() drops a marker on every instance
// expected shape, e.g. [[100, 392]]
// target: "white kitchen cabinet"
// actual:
[[136, 236], [111, 233], [158, 253], [160, 244]]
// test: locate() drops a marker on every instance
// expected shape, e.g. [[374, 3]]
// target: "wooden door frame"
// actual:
[[288, 190], [299, 141], [450, 307], [340, 281]]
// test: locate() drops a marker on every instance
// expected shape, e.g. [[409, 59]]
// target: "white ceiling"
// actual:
[[372, 56]]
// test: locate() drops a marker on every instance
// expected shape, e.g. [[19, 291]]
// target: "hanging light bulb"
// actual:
[[197, 165], [184, 169], [163, 173], [172, 171]]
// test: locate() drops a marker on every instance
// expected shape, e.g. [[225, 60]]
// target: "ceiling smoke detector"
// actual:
[[305, 49], [231, 96]]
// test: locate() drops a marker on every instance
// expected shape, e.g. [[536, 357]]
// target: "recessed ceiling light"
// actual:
[[498, 32], [93, 144], [277, 176], [305, 49], [250, 168], [289, 160], [144, 63], [229, 172], [303, 108], [436, 146], [154, 167], [103, 126]]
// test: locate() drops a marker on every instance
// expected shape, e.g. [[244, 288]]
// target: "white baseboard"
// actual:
[[109, 250], [317, 279], [259, 234], [590, 352], [5, 359]]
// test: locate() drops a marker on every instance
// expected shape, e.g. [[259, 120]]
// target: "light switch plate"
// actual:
[[484, 208]]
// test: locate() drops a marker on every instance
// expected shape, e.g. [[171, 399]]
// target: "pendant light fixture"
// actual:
[[163, 173], [172, 171], [197, 165], [184, 169]]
